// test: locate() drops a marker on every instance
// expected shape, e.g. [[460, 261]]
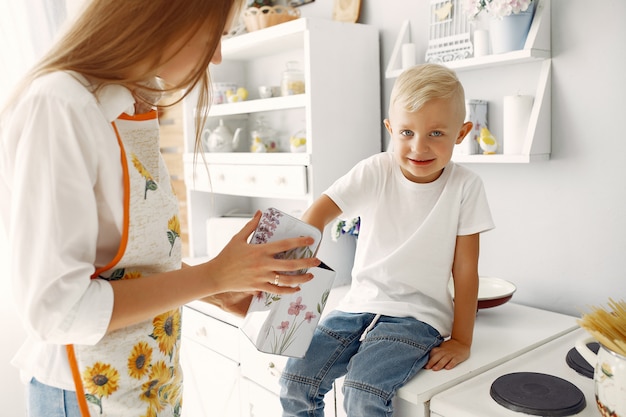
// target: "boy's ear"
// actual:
[[465, 129], [387, 126]]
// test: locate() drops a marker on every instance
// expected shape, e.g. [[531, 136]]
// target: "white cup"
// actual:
[[265, 91], [481, 42]]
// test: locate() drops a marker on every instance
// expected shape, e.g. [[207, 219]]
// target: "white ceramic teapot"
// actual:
[[221, 139], [609, 378]]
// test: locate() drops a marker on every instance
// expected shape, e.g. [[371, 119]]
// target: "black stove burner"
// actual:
[[580, 365], [537, 394]]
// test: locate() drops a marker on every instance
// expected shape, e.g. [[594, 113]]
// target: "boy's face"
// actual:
[[423, 140]]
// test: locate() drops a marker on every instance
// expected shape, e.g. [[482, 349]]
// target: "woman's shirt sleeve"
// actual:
[[56, 212]]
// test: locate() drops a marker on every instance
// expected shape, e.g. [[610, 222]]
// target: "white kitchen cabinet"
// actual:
[[225, 375], [260, 389], [261, 372], [211, 369], [340, 111], [525, 72]]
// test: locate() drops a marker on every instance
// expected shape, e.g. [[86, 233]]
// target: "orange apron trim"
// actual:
[[152, 114], [126, 220], [78, 382]]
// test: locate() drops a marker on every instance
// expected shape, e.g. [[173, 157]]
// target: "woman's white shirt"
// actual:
[[62, 208]]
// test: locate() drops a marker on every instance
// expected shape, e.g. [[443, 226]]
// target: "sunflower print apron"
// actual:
[[136, 371]]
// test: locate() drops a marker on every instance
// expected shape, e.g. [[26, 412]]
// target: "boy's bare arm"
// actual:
[[465, 274], [321, 212]]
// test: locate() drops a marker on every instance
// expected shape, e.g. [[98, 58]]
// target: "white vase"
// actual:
[[509, 33]]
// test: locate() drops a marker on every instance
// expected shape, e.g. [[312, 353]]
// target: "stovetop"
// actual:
[[472, 398]]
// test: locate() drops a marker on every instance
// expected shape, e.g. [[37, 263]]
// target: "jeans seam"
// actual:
[[368, 388], [409, 342]]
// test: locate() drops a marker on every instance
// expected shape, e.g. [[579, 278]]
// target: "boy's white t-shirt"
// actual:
[[407, 237]]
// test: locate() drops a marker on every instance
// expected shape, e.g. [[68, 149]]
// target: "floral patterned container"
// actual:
[[284, 324]]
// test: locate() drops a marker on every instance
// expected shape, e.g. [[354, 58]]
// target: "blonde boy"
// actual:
[[421, 216]]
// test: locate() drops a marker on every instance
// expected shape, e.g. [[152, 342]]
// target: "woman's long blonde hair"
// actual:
[[110, 38]]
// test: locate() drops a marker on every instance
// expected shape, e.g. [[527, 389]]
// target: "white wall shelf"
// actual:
[[259, 105], [249, 158], [537, 50]]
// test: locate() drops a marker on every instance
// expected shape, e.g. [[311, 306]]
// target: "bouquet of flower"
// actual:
[[343, 227], [496, 8]]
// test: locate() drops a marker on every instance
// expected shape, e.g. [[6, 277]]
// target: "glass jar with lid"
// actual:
[[293, 79], [263, 137]]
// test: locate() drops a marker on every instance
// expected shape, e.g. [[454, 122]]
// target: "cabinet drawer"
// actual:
[[214, 334], [263, 368], [260, 402], [249, 180]]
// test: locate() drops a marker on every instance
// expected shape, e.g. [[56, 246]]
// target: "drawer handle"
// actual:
[[273, 370], [252, 180], [281, 181], [201, 332]]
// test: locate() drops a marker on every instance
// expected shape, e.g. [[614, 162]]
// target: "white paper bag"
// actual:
[[284, 324]]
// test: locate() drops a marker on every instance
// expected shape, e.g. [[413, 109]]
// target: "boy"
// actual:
[[421, 216]]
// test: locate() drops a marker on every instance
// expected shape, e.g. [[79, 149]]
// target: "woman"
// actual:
[[92, 220]]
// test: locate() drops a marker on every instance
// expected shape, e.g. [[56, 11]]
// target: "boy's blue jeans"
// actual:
[[393, 351]]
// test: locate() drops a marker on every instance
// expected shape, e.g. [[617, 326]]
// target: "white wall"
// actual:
[[561, 224], [12, 393], [20, 46]]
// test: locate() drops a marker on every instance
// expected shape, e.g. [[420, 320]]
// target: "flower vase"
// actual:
[[509, 32]]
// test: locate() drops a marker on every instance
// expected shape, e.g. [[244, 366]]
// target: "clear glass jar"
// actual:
[[263, 137], [293, 80], [297, 141]]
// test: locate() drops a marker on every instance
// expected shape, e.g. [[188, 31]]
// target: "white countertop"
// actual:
[[472, 398], [501, 333]]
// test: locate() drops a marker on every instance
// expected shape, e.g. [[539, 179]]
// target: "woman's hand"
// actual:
[[245, 267], [236, 303]]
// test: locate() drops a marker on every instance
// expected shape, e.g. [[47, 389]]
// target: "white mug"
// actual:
[[609, 377]]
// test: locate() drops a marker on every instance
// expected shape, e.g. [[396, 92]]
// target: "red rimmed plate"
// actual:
[[492, 291]]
